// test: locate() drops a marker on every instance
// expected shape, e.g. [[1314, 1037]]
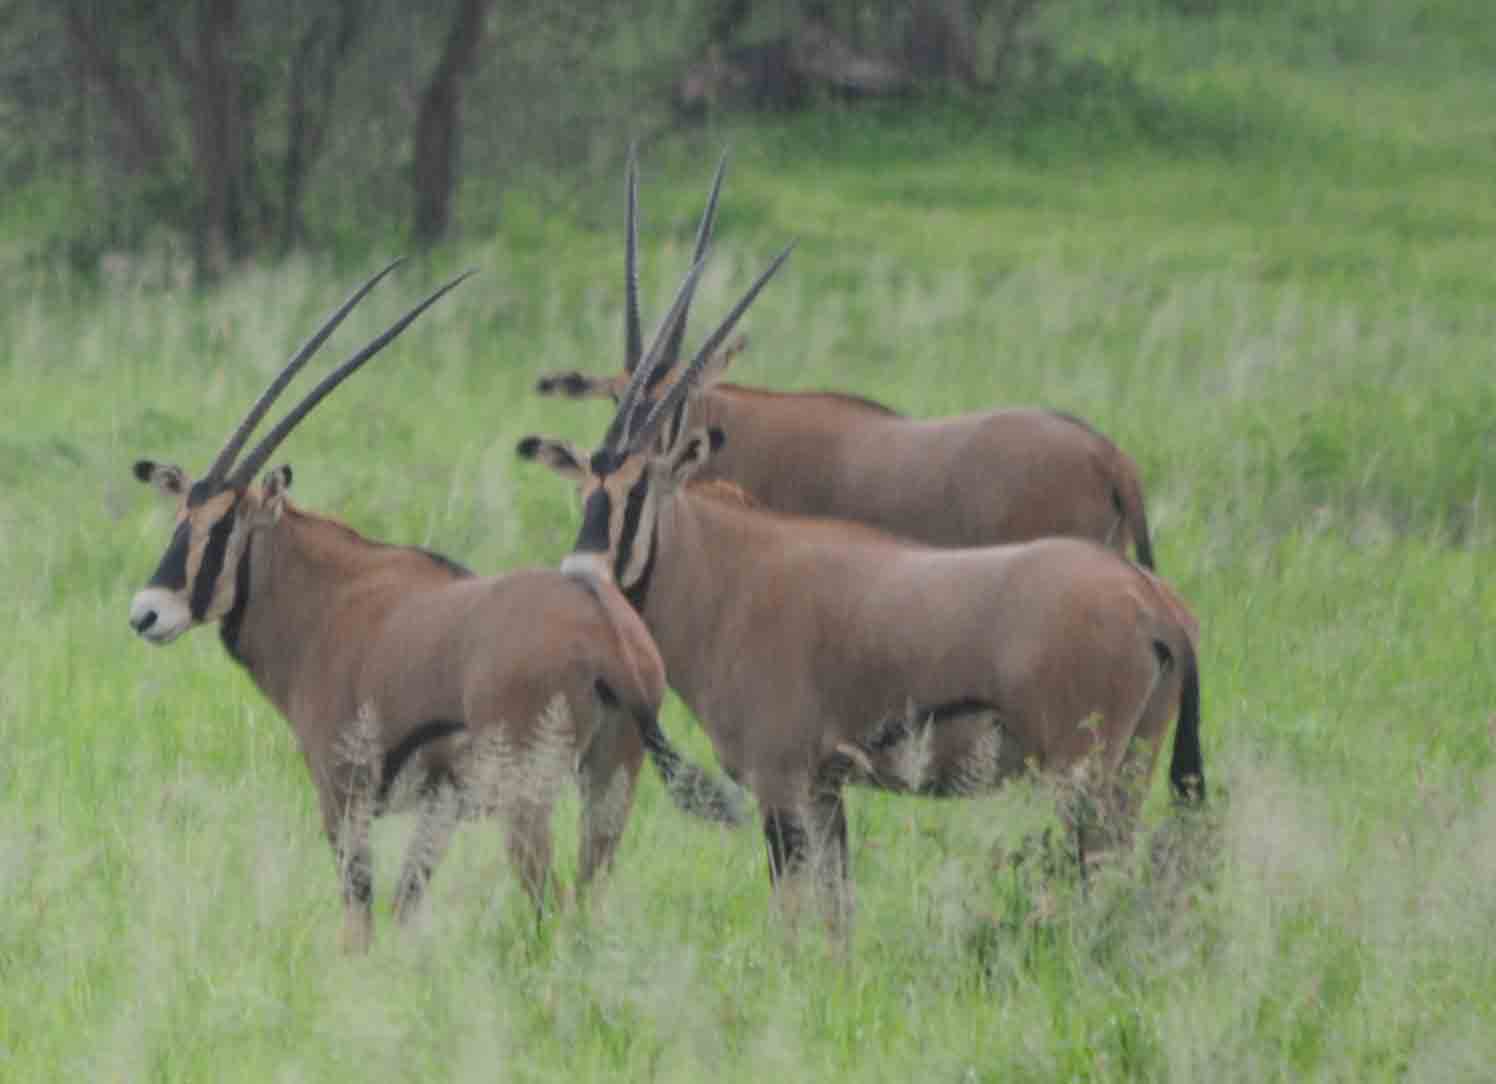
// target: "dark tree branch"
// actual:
[[435, 166], [1016, 13], [146, 145], [177, 59], [727, 21], [211, 81], [317, 60], [299, 125]]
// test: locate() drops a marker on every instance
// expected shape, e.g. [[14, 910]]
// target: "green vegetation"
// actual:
[[1251, 243]]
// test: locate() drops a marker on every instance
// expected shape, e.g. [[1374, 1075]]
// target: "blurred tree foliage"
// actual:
[[220, 130]]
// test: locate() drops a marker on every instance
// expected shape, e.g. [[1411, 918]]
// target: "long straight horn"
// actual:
[[633, 333], [688, 377], [256, 459], [267, 399], [617, 435], [703, 239]]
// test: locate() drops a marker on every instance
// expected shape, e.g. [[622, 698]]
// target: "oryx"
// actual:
[[976, 479], [406, 679], [814, 650]]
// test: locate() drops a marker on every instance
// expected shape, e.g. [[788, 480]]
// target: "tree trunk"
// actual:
[[434, 172], [318, 56], [939, 44], [211, 81], [145, 146]]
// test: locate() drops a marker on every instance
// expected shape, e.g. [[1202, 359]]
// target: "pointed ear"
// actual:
[[168, 479], [561, 456], [574, 385], [691, 453], [273, 489]]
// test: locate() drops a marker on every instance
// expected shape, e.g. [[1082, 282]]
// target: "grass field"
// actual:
[[1255, 248]]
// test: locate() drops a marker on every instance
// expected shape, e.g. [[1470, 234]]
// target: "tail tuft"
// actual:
[[701, 794], [693, 789], [1187, 766]]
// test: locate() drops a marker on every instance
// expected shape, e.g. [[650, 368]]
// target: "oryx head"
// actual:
[[197, 580], [574, 384], [646, 451]]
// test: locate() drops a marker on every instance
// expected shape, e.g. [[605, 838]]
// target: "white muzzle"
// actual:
[[159, 616]]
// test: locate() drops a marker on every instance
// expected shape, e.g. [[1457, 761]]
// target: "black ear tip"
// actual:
[[545, 384], [715, 437], [528, 448], [143, 469]]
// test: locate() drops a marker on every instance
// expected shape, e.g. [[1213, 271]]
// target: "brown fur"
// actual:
[[796, 640], [816, 635], [360, 645], [978, 479], [490, 653], [970, 480]]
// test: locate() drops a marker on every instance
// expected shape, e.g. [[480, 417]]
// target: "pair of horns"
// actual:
[[648, 368], [245, 471], [633, 344]]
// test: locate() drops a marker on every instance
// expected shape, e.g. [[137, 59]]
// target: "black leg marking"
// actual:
[[788, 843], [435, 825], [358, 877], [832, 812]]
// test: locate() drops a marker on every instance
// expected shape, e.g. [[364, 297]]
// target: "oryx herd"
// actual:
[[842, 595]]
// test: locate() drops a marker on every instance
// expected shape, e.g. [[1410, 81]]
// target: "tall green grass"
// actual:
[[1289, 326]]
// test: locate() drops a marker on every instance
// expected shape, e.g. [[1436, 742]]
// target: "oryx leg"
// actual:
[[1113, 777], [1136, 765], [346, 814], [608, 772], [810, 844], [529, 840], [437, 813], [788, 843], [831, 860]]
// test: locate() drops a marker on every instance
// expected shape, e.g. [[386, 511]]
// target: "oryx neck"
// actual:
[[688, 607], [299, 571]]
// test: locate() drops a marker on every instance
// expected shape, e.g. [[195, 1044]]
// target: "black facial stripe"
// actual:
[[171, 573], [211, 567], [633, 509], [228, 628], [593, 537], [636, 592]]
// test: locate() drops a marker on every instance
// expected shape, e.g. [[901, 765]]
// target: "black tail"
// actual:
[[692, 788], [1142, 544], [1127, 499], [1187, 768]]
